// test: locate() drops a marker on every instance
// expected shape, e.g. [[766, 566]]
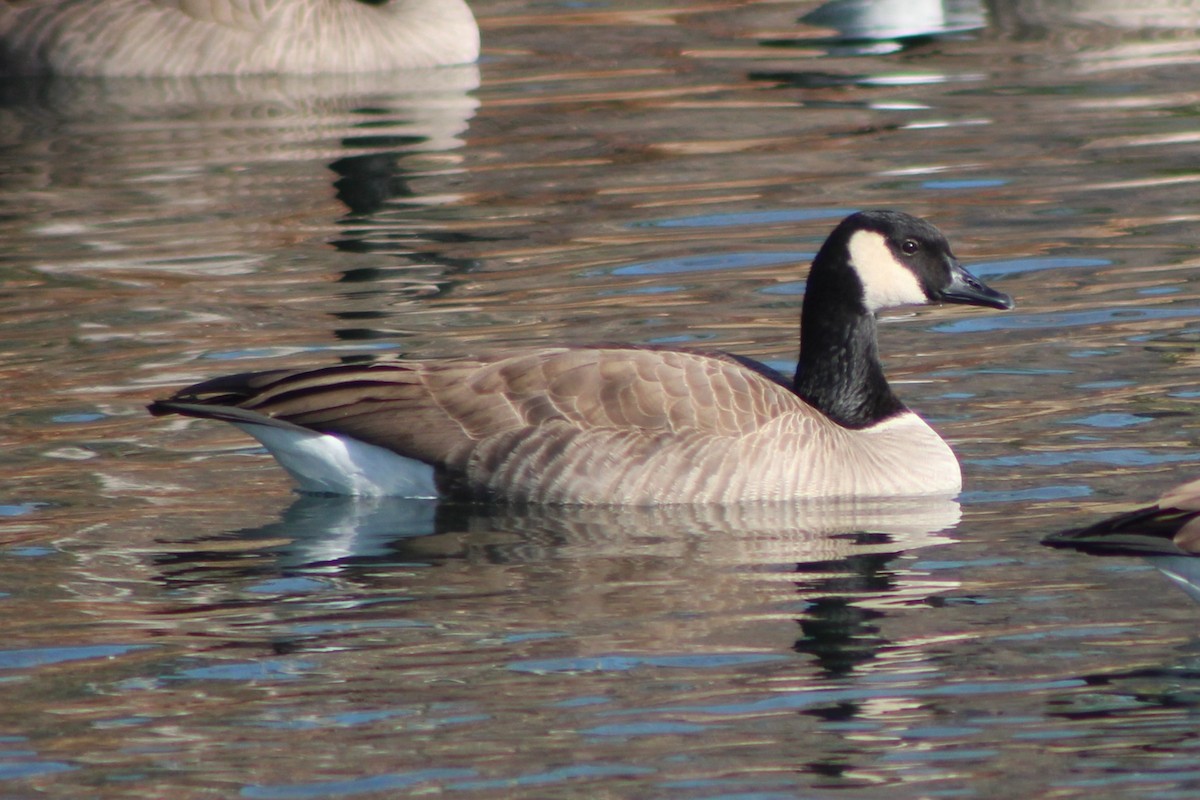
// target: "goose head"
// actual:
[[889, 258], [872, 260]]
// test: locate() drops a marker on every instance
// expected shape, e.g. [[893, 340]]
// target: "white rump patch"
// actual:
[[886, 281], [327, 464]]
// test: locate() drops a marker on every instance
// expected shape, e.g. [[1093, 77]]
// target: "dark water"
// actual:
[[173, 621]]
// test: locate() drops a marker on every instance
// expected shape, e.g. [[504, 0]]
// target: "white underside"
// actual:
[[326, 464]]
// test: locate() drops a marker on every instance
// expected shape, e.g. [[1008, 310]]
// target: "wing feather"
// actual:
[[614, 424]]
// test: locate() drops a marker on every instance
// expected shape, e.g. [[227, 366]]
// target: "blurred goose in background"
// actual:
[[626, 424], [232, 37], [1170, 527]]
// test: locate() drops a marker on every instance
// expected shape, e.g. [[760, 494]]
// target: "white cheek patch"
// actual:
[[886, 282]]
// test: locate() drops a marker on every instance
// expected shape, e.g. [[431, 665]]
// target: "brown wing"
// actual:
[[438, 411], [1171, 526]]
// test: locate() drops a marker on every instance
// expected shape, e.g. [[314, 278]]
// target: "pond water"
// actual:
[[174, 621]]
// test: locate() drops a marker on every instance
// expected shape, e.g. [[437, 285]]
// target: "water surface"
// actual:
[[174, 621]]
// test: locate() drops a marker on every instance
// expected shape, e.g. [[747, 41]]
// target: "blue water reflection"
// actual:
[[176, 623]]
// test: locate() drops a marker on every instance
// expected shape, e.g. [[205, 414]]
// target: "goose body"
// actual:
[[626, 424], [232, 37], [1170, 526]]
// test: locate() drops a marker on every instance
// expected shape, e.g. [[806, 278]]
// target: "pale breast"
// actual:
[[797, 456]]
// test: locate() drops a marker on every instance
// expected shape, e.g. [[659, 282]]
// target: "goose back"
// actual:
[[208, 37]]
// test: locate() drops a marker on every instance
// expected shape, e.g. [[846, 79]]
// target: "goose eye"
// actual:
[[909, 246]]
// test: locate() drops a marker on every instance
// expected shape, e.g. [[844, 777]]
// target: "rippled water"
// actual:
[[173, 621]]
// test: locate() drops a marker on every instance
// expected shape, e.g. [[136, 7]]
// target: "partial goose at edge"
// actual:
[[169, 38], [1170, 526], [625, 424]]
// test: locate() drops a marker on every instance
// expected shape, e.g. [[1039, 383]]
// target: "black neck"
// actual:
[[839, 371]]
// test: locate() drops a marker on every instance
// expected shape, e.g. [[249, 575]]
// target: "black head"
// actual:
[[901, 260]]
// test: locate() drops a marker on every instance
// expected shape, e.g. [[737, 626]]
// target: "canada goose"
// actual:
[[626, 424], [233, 37], [1168, 527]]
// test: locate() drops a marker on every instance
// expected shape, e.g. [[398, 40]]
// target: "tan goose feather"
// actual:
[[596, 425], [233, 37]]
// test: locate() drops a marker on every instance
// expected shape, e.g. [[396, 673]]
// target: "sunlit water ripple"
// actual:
[[177, 623]]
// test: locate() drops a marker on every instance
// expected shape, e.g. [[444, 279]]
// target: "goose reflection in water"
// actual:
[[656, 579], [366, 135], [894, 20]]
